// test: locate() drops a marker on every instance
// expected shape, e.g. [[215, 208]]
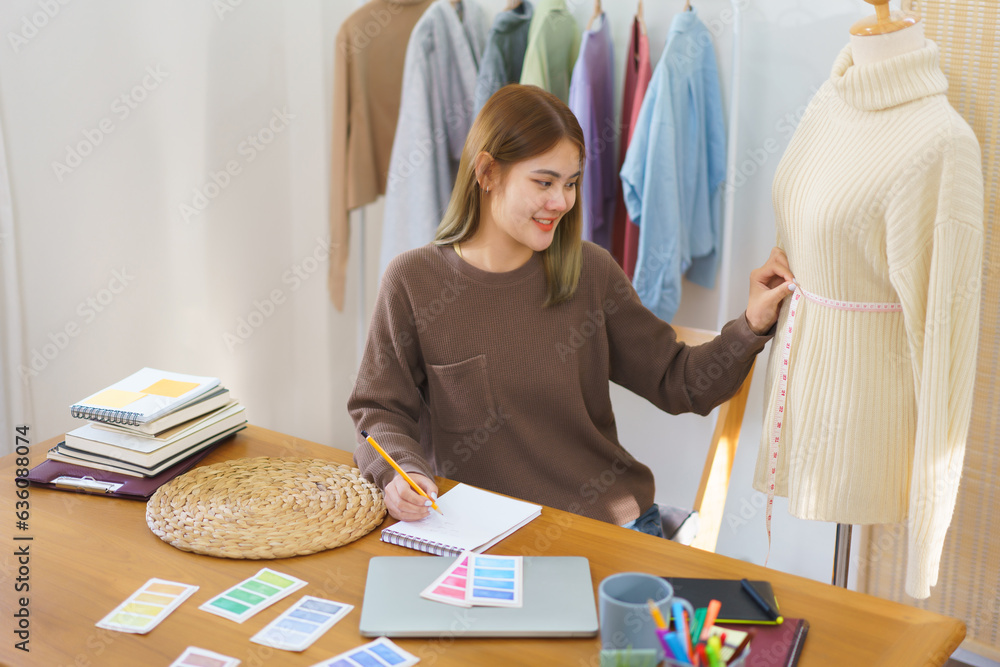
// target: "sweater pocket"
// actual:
[[460, 396]]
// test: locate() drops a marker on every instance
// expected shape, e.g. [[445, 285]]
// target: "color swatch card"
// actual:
[[496, 581], [477, 580], [302, 624], [450, 586], [248, 597], [144, 609], [379, 653], [199, 657]]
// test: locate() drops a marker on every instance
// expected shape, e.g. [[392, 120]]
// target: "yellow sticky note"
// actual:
[[171, 388], [114, 398]]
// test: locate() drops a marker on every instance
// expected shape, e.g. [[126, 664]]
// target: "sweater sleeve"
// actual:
[[647, 359], [339, 221], [934, 239], [387, 397]]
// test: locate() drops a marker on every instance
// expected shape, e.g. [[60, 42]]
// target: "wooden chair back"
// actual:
[[710, 501]]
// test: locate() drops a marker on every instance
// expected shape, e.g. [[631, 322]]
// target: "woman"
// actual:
[[490, 350]]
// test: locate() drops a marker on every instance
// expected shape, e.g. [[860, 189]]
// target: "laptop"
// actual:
[[558, 601]]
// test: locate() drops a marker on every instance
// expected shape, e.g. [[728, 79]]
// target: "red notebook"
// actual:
[[776, 645]]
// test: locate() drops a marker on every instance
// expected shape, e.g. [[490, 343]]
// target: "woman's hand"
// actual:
[[769, 285], [406, 504]]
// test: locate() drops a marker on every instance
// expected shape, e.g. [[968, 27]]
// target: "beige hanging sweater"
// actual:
[[879, 198], [367, 83]]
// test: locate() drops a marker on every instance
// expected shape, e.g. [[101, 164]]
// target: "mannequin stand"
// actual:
[[842, 555]]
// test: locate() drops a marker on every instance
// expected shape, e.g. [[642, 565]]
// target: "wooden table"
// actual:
[[89, 553]]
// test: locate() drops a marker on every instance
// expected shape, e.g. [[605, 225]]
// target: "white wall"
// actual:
[[224, 67]]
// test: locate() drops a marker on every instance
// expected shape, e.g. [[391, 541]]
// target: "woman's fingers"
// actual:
[[406, 504]]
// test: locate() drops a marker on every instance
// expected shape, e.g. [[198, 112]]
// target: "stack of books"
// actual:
[[153, 425]]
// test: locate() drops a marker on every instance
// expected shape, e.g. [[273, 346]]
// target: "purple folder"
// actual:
[[102, 482]]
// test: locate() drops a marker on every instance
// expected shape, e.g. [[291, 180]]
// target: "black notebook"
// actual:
[[737, 606]]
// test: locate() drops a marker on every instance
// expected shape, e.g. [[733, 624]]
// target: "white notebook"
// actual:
[[142, 397], [472, 520]]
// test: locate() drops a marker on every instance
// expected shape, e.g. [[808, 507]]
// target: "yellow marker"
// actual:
[[713, 650], [402, 473], [657, 616]]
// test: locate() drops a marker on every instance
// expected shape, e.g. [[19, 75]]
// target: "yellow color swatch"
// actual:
[[144, 609], [166, 589], [154, 599], [171, 388], [114, 398], [130, 620], [271, 578]]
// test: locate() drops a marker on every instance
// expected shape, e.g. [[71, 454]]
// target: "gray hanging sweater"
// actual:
[[503, 58]]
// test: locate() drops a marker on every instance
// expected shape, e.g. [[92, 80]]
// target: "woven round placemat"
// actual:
[[265, 507]]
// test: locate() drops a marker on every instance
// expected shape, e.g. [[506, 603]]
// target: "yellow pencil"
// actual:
[[402, 473]]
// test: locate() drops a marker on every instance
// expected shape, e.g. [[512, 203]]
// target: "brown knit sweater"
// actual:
[[466, 375]]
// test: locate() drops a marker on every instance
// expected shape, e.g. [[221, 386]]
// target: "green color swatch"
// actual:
[[229, 605], [258, 587], [246, 596]]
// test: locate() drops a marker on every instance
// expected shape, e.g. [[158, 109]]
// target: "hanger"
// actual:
[[597, 12], [884, 21], [687, 5], [513, 4], [639, 16]]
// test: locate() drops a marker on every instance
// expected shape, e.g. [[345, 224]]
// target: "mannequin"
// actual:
[[874, 39], [879, 207], [886, 36]]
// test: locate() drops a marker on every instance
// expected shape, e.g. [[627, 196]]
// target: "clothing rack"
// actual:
[[725, 271], [729, 212]]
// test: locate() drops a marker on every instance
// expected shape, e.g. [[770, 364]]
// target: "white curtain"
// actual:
[[14, 409], [168, 165]]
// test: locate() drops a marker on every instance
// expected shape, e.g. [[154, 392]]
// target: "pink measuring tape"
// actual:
[[786, 353]]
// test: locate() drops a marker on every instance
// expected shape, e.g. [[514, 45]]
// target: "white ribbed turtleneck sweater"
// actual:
[[879, 199]]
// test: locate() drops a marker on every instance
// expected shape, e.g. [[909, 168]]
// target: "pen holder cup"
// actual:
[[625, 618]]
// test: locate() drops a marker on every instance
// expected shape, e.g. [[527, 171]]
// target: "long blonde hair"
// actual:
[[517, 123]]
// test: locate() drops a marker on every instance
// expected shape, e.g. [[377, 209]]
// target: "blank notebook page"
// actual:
[[473, 519]]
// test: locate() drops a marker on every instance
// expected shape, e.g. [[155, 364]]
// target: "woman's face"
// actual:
[[529, 203]]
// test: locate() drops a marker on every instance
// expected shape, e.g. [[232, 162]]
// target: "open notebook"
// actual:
[[472, 520]]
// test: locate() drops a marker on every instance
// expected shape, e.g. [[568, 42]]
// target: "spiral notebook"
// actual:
[[471, 520], [142, 397]]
